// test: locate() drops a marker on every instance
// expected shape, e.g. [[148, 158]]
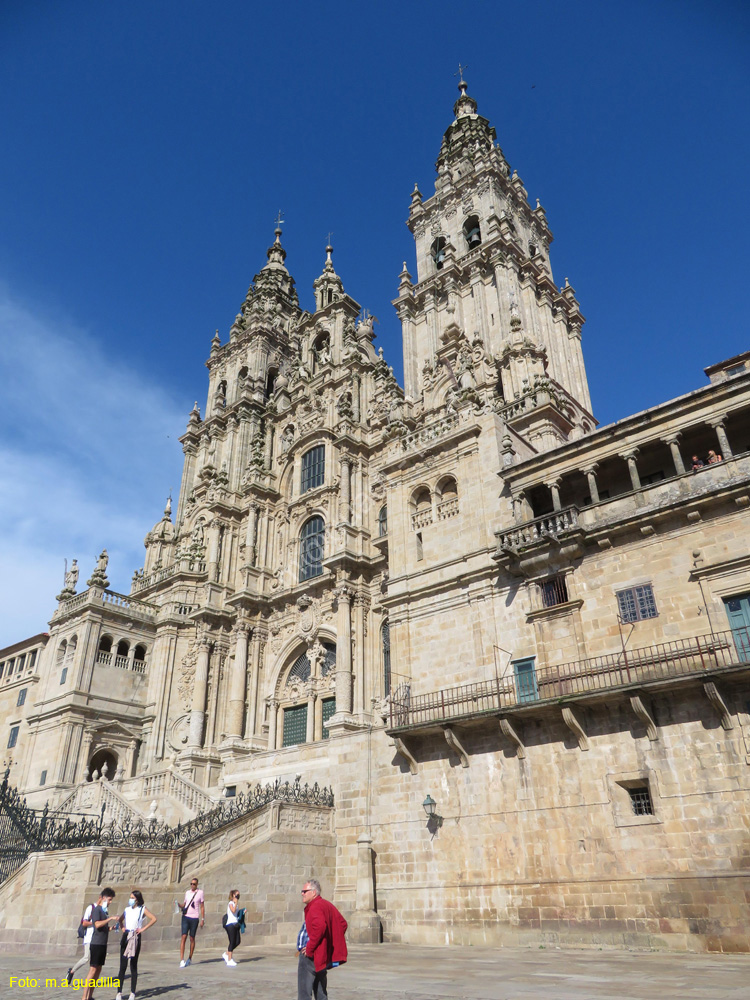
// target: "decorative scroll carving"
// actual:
[[638, 706], [508, 730], [570, 720], [454, 743], [713, 695], [403, 750]]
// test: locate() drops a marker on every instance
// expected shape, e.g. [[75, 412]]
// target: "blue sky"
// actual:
[[148, 146]]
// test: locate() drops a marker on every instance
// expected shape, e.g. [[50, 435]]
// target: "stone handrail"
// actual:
[[142, 582], [551, 525], [432, 432], [90, 796], [138, 609], [421, 518], [169, 782]]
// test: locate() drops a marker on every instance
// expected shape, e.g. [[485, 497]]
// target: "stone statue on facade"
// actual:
[[70, 582], [99, 577]]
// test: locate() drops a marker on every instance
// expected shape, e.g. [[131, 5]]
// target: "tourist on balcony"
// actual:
[[696, 463], [232, 925], [131, 922], [713, 457], [192, 908]]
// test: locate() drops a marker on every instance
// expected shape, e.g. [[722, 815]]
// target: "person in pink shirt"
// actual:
[[193, 912]]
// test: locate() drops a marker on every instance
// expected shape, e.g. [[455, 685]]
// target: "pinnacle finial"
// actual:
[[279, 224]]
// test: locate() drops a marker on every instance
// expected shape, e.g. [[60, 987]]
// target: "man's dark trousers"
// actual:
[[309, 982]]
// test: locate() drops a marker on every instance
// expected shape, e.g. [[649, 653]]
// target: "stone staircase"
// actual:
[[266, 853]]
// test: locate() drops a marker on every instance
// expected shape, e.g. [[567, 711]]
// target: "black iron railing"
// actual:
[[704, 653], [24, 830]]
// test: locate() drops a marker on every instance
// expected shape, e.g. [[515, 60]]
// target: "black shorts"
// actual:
[[189, 925], [97, 955]]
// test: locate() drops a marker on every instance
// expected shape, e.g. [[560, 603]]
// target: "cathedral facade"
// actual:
[[515, 644]]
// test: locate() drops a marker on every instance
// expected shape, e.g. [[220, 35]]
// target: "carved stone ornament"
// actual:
[[308, 618], [178, 732], [187, 676]]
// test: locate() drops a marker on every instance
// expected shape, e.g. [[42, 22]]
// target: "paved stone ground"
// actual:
[[401, 972]]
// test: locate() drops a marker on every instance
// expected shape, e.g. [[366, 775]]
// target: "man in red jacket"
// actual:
[[326, 944]]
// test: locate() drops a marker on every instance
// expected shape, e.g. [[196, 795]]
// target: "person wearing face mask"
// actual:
[[100, 920], [132, 924]]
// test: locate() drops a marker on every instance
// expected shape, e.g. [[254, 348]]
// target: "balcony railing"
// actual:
[[550, 525], [701, 654]]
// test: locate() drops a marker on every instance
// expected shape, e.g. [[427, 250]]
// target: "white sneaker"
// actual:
[[183, 963], [225, 957], [231, 962], [132, 996], [119, 996]]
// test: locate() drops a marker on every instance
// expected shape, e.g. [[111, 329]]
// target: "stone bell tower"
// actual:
[[483, 269]]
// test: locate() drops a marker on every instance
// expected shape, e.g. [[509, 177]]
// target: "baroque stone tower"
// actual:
[[484, 277]]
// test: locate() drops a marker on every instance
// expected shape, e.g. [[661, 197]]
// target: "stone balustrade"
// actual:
[[540, 529], [420, 519], [427, 435], [447, 508]]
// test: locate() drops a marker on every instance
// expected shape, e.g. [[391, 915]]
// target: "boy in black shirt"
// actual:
[[98, 948]]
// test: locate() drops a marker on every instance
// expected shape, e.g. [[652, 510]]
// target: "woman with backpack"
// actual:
[[231, 923], [132, 925]]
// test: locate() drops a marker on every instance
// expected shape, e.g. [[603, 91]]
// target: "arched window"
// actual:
[[123, 647], [385, 635], [448, 498], [301, 669], [271, 377], [437, 251], [472, 232], [383, 521], [311, 547], [139, 653], [313, 468], [61, 649], [329, 659], [105, 644], [421, 508]]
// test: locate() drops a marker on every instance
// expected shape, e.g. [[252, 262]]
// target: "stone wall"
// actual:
[[266, 855]]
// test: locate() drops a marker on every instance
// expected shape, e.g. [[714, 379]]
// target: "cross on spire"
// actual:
[[279, 220], [461, 70], [329, 239]]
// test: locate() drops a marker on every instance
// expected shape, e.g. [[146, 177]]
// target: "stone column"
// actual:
[[590, 473], [254, 680], [356, 397], [200, 686], [344, 595], [279, 726], [237, 685], [85, 750], [346, 490], [268, 456], [554, 488], [364, 925], [630, 458], [360, 609], [310, 727], [213, 549], [721, 434], [130, 759], [273, 718], [252, 531], [674, 446]]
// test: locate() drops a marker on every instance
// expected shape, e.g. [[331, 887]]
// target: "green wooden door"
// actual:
[[738, 613]]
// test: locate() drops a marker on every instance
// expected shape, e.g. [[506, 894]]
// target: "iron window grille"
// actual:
[[295, 725], [554, 591], [637, 603], [329, 710], [313, 468], [312, 541], [640, 799]]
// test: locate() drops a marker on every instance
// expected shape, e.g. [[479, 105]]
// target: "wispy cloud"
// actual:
[[88, 451]]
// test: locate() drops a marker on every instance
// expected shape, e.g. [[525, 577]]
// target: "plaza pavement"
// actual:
[[403, 972]]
